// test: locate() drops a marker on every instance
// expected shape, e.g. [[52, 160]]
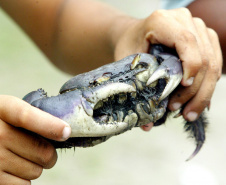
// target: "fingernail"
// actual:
[[66, 132], [147, 127], [189, 81], [176, 106], [192, 116]]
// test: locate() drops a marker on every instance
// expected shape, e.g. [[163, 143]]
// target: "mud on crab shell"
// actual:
[[113, 98]]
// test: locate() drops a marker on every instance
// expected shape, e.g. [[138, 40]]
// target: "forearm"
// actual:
[[76, 35], [88, 32], [36, 18]]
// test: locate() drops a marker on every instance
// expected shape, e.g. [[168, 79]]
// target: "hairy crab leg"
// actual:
[[197, 130]]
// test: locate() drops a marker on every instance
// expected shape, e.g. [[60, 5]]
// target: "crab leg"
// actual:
[[170, 70]]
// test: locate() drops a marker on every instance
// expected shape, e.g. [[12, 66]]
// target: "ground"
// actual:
[[157, 157]]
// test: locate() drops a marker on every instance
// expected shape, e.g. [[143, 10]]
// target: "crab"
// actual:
[[117, 97]]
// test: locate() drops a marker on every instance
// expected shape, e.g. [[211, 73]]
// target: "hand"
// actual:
[[197, 46], [23, 154]]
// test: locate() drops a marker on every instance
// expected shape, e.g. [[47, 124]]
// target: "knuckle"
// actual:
[[219, 74], [212, 33], [187, 36], [156, 18], [205, 61], [46, 152], [185, 11], [214, 69], [36, 172], [24, 116], [3, 158], [27, 183], [48, 157], [8, 179], [5, 131], [199, 21], [192, 92], [156, 15], [204, 102], [3, 135]]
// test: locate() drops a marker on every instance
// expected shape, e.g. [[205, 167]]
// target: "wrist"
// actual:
[[119, 28]]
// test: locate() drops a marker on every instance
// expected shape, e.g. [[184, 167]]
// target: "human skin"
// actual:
[[80, 35], [213, 14]]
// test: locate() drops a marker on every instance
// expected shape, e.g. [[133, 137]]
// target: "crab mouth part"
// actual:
[[130, 107]]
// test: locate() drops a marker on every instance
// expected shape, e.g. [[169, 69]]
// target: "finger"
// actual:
[[177, 36], [204, 94], [147, 127], [20, 167], [207, 55], [213, 37], [21, 114], [198, 28], [36, 149], [183, 94], [9, 179]]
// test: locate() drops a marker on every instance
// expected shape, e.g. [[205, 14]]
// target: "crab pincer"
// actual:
[[171, 70], [117, 97]]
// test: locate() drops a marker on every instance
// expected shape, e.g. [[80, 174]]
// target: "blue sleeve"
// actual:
[[172, 4]]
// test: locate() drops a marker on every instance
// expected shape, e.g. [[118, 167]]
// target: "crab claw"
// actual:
[[171, 70], [197, 149]]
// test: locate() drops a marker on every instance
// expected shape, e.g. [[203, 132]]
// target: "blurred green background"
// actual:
[[153, 158]]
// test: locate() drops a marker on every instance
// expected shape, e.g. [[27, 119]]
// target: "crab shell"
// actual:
[[114, 98], [117, 97]]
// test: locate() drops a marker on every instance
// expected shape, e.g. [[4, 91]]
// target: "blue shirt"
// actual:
[[172, 4]]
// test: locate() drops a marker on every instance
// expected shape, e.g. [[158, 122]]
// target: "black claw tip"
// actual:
[[197, 130], [197, 149]]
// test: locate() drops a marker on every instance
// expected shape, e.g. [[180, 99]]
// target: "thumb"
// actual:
[[21, 114]]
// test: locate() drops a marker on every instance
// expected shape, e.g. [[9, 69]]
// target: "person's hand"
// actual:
[[23, 154], [197, 46]]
